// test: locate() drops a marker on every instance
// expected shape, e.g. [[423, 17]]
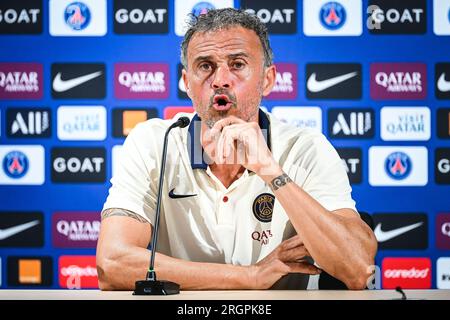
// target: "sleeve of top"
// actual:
[[327, 179], [134, 177]]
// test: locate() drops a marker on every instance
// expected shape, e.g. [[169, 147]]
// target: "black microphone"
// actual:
[[152, 286], [400, 290]]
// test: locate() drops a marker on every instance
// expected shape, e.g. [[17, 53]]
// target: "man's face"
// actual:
[[226, 74]]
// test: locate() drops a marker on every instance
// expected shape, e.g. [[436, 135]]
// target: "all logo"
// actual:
[[332, 18], [81, 123], [443, 273], [21, 81], [442, 166], [408, 273], [443, 123], [77, 272], [21, 229], [398, 166], [405, 123], [405, 231], [351, 123], [30, 271], [443, 231], [300, 116], [78, 81], [333, 81], [279, 17], [141, 80], [442, 80], [398, 81], [141, 17], [352, 161], [75, 229], [286, 82], [124, 120], [78, 18], [28, 122], [22, 165], [196, 7], [397, 17], [23, 17], [441, 17], [83, 165]]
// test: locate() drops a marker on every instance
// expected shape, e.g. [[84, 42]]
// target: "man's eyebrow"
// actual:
[[237, 55], [230, 56], [202, 58]]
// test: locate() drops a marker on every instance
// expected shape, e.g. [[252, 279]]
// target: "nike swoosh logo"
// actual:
[[383, 236], [179, 196], [60, 85], [317, 86], [6, 233], [442, 84]]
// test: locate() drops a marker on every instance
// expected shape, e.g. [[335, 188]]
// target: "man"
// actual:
[[248, 202]]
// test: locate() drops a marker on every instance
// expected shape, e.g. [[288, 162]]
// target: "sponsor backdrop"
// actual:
[[77, 75]]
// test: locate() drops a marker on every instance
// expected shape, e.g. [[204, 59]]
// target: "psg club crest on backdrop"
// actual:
[[332, 15], [15, 164], [202, 8], [77, 15], [398, 165]]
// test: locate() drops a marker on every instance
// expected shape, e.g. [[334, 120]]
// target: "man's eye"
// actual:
[[205, 67], [238, 65]]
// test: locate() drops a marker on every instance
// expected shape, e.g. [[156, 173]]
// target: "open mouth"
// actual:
[[221, 102]]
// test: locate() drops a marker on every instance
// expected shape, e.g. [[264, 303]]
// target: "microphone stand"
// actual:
[[152, 286]]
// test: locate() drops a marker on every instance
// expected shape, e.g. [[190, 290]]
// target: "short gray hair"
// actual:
[[225, 18]]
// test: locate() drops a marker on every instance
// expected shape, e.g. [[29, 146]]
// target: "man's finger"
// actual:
[[294, 254], [219, 125], [292, 242], [303, 267]]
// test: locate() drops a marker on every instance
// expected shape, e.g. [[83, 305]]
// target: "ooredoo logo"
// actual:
[[77, 272], [408, 273]]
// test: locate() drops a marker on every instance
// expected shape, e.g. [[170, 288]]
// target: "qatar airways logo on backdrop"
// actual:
[[75, 229], [77, 272], [21, 80], [408, 273], [141, 80], [398, 81], [286, 83]]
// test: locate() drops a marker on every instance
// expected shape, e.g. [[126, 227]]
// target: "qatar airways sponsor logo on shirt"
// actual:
[[141, 80], [75, 229], [77, 272], [286, 82], [21, 80], [408, 273], [398, 81]]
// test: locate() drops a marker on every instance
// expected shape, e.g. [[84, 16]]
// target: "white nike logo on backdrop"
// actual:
[[9, 232], [60, 85], [442, 84], [383, 236], [317, 86]]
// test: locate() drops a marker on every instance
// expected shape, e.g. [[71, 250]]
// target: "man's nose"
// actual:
[[222, 78]]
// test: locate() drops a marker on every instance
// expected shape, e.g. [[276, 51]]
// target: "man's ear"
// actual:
[[270, 74], [185, 81]]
